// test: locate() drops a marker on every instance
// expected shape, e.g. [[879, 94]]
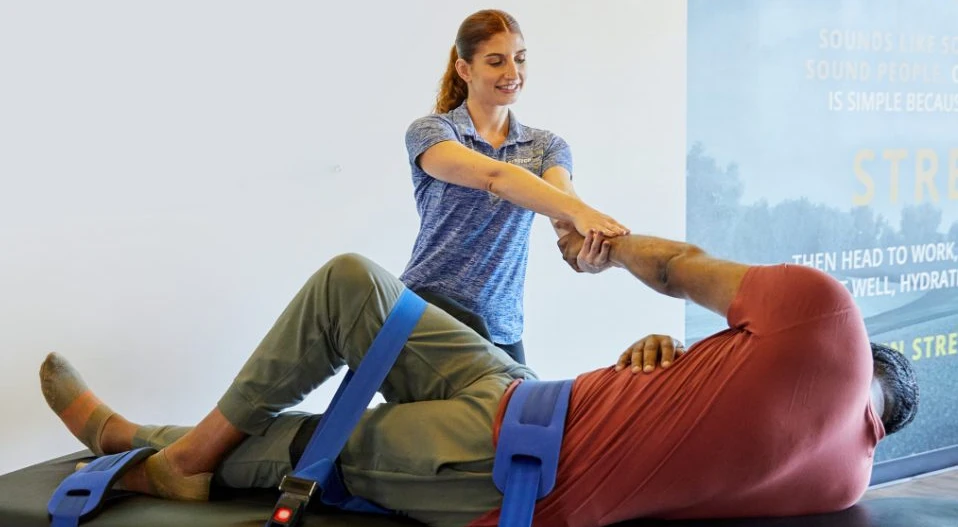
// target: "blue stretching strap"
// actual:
[[527, 455], [316, 469], [80, 496]]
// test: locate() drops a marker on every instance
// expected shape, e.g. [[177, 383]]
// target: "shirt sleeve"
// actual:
[[426, 132], [557, 153], [773, 298]]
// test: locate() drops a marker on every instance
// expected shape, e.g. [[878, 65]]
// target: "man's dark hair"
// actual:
[[897, 377]]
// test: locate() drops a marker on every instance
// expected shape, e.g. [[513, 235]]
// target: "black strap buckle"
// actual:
[[292, 503]]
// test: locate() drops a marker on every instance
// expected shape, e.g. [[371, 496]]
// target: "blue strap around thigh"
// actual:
[[527, 455], [316, 469], [80, 496]]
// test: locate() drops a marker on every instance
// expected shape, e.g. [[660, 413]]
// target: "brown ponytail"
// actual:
[[473, 31], [452, 89]]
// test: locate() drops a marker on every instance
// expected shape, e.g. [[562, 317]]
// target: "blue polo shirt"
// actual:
[[473, 246]]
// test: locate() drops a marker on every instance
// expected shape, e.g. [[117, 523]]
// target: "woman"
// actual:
[[479, 177]]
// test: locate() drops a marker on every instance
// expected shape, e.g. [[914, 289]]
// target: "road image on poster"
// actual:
[[825, 133]]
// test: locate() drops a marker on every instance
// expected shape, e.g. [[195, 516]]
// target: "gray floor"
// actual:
[[941, 484]]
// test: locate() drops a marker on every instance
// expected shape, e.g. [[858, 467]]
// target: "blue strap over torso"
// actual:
[[316, 469], [527, 455]]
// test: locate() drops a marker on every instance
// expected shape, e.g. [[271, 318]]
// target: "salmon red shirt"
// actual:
[[770, 417]]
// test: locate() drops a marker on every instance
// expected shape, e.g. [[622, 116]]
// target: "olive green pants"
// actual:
[[427, 452]]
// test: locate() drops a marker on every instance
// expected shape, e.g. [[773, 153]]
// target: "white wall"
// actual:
[[170, 174]]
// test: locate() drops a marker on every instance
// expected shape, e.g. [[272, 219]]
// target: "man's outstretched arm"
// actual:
[[676, 269], [680, 270]]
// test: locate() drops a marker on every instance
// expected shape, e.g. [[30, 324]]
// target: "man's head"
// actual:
[[899, 385]]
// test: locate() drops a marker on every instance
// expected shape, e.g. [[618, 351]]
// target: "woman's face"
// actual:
[[498, 70]]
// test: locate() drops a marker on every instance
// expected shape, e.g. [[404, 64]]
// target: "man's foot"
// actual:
[[156, 476], [165, 481], [81, 411]]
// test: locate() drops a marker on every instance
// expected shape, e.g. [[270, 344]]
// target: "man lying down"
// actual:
[[777, 415]]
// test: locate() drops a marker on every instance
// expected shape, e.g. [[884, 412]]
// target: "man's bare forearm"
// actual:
[[650, 259]]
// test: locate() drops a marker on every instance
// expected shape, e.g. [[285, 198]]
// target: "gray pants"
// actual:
[[426, 452]]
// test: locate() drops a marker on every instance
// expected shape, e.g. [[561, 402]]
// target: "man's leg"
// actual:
[[330, 323], [430, 460], [428, 451], [257, 462]]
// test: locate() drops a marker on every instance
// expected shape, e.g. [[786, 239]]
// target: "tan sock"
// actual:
[[167, 484], [68, 396]]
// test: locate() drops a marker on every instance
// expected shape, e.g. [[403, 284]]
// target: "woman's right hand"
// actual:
[[590, 219]]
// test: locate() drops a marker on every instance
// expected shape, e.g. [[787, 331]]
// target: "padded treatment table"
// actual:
[[24, 495]]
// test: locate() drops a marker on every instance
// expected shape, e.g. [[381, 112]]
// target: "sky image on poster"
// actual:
[[825, 133]]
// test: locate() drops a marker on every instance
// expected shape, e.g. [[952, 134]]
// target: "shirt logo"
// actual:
[[521, 160]]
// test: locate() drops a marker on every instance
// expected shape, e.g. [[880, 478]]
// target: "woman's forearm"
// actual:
[[523, 188]]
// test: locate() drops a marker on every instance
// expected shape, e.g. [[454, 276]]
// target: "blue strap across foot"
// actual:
[[80, 496], [527, 454]]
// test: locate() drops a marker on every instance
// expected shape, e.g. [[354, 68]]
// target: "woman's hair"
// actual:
[[473, 31], [900, 386]]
